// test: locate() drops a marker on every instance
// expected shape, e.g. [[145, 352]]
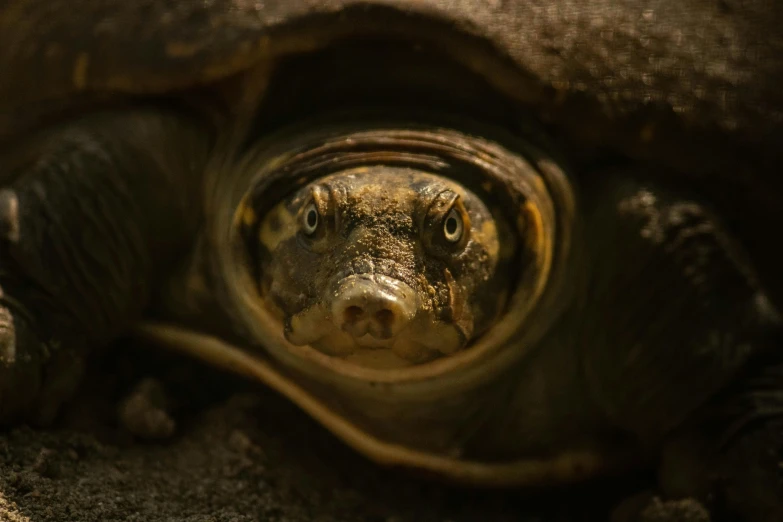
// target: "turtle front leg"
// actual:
[[730, 455], [681, 345], [92, 216]]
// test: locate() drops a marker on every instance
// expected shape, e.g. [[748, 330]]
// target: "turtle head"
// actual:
[[383, 266]]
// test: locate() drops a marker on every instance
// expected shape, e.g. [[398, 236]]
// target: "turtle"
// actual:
[[505, 244]]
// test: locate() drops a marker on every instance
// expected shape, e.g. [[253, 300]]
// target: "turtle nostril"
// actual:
[[379, 307], [385, 318], [352, 314]]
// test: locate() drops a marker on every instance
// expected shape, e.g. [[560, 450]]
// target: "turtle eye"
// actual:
[[310, 219], [453, 226], [446, 225]]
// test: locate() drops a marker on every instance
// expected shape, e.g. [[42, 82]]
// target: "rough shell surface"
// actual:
[[692, 85]]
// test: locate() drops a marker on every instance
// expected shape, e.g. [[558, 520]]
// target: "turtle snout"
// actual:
[[376, 305]]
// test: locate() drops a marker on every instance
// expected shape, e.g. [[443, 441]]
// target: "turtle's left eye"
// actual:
[[453, 226], [310, 219]]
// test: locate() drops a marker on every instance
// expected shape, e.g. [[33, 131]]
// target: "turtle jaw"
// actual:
[[405, 350], [373, 309], [375, 320]]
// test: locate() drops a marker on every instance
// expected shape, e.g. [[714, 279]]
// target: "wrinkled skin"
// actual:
[[382, 260]]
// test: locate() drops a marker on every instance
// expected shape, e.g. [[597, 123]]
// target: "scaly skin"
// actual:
[[98, 219]]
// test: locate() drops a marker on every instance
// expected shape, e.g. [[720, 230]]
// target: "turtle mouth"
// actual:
[[399, 352], [375, 321], [373, 343]]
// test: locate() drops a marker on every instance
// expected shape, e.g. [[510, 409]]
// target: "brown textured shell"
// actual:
[[652, 80], [50, 51]]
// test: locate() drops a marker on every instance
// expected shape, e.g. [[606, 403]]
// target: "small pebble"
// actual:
[[646, 507], [45, 464], [144, 413], [686, 510]]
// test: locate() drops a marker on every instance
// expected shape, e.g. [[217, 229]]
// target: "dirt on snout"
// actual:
[[154, 437]]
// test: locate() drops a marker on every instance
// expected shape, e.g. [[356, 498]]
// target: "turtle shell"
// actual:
[[693, 86]]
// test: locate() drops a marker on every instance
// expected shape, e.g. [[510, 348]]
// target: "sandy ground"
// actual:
[[237, 452]]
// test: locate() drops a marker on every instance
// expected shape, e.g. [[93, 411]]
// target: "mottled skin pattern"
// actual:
[[417, 254], [144, 144]]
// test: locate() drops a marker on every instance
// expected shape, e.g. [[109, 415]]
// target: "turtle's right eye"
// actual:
[[453, 226], [310, 219]]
